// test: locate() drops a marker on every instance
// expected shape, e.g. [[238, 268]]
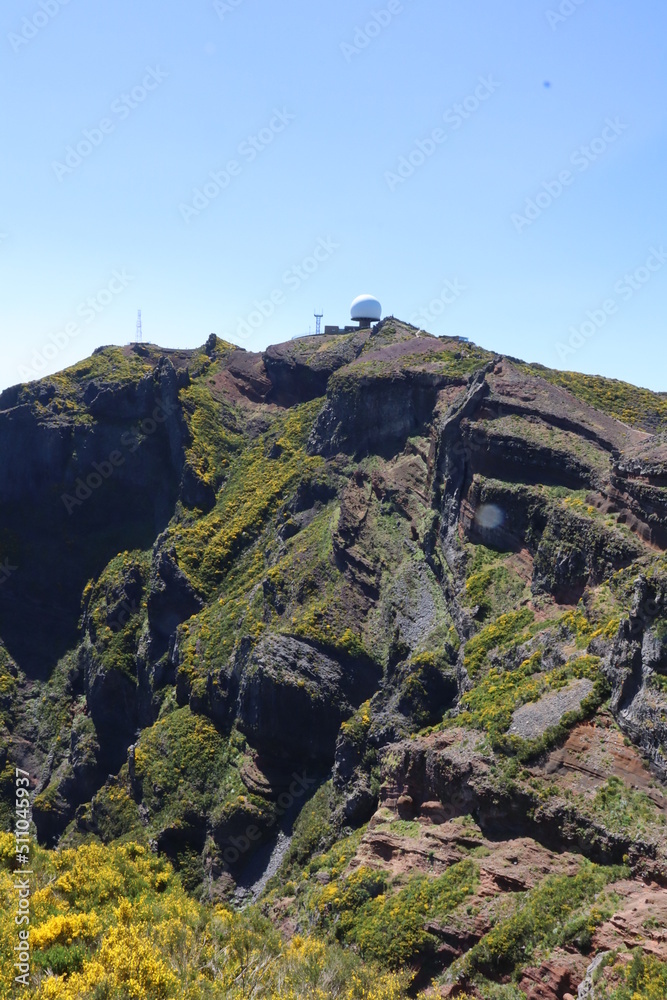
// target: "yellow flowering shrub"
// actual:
[[490, 704], [114, 921], [66, 928], [504, 631], [259, 480], [645, 978], [632, 405]]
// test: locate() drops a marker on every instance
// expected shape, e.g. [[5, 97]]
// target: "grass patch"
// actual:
[[623, 808], [549, 916]]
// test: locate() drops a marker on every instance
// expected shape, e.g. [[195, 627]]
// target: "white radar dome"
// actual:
[[366, 307]]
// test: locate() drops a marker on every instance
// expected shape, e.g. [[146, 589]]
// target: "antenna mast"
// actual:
[[318, 322], [140, 335]]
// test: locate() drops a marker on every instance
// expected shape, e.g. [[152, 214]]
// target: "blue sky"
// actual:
[[405, 148]]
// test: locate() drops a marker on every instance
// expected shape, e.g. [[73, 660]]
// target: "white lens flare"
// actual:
[[489, 516]]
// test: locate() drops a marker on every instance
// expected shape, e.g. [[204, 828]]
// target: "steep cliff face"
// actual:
[[395, 561]]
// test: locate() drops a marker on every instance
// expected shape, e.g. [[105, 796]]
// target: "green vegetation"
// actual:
[[355, 729], [354, 558], [623, 808], [494, 590], [111, 364], [185, 768], [389, 926], [113, 813], [429, 688], [302, 596], [386, 335], [456, 365], [508, 630], [214, 433], [564, 445], [8, 693], [645, 978], [307, 588], [115, 607], [628, 403], [208, 638], [490, 704], [259, 481], [60, 395], [335, 860], [313, 832], [578, 623], [116, 922], [551, 915], [182, 770], [9, 683], [230, 551]]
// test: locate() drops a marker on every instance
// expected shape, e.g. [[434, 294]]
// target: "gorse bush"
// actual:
[[507, 630], [115, 921], [489, 706], [546, 916], [389, 926], [259, 480], [629, 403], [645, 978]]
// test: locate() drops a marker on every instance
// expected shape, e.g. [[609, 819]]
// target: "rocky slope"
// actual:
[[399, 598]]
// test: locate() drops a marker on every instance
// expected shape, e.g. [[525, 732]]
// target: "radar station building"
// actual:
[[365, 311]]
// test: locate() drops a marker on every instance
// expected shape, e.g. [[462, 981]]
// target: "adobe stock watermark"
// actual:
[[582, 159], [131, 441], [23, 819], [454, 117], [88, 311], [378, 22], [625, 288], [247, 151], [225, 7], [36, 22], [121, 109], [563, 12], [238, 846], [292, 280], [449, 294]]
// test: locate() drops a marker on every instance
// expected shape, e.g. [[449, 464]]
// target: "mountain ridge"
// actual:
[[419, 574]]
